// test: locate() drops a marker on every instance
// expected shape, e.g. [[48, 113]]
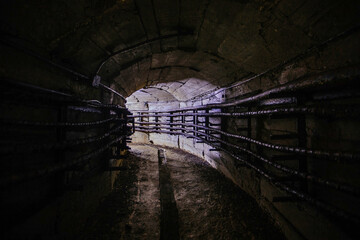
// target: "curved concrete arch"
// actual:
[[170, 55], [141, 44], [189, 64], [168, 95], [285, 72], [245, 36]]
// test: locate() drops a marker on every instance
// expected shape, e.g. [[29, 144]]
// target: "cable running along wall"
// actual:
[[53, 142], [286, 158]]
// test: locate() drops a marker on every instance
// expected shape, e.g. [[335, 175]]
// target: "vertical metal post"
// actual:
[[195, 121], [156, 120], [222, 128], [171, 121], [301, 128], [133, 125], [124, 130], [141, 119], [207, 121], [108, 153], [249, 132], [183, 121]]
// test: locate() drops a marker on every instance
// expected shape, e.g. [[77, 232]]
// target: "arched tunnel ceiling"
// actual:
[[171, 91], [167, 41]]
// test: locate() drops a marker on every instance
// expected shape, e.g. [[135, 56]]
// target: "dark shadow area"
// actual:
[[169, 222], [211, 206], [110, 219]]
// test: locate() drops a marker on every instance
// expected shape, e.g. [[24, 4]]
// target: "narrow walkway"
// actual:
[[172, 194]]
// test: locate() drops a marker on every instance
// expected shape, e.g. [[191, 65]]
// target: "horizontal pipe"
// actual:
[[57, 65], [59, 124], [339, 77], [54, 167], [324, 206], [147, 42], [312, 178], [20, 149], [112, 90], [108, 106], [30, 88], [321, 45], [339, 111], [10, 83], [85, 109], [297, 150]]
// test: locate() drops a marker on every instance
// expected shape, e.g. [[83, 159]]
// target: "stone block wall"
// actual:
[[298, 220], [55, 206]]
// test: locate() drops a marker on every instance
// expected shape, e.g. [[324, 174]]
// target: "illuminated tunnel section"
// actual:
[[262, 95]]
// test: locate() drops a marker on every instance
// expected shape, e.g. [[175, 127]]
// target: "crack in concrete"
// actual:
[[167, 92], [152, 95]]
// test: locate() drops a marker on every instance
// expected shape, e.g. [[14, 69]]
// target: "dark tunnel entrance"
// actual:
[[252, 101]]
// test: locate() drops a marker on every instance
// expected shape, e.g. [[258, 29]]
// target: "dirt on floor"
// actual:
[[207, 204]]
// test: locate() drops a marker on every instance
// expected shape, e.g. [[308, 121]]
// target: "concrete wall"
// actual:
[[55, 206], [298, 220], [228, 41], [65, 216]]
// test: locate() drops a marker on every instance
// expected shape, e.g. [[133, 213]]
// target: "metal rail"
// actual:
[[314, 96], [338, 156], [342, 187], [272, 179], [339, 112], [35, 92], [340, 78], [110, 132], [6, 40], [54, 167], [58, 124], [16, 148]]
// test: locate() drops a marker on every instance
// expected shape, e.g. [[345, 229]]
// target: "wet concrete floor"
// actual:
[[170, 194]]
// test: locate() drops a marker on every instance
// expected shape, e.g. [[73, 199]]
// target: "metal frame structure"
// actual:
[[57, 139], [314, 96]]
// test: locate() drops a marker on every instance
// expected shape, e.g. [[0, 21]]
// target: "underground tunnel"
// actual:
[[160, 119]]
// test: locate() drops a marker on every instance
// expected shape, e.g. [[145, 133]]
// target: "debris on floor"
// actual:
[[208, 205]]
